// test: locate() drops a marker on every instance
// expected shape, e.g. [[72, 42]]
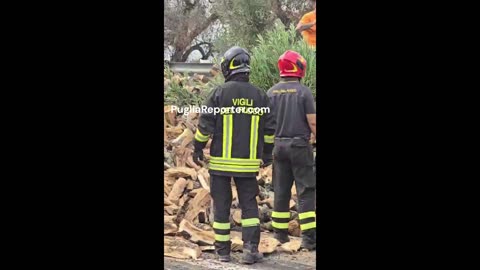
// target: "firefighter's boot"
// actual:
[[223, 251], [309, 240], [281, 236], [224, 258], [251, 254]]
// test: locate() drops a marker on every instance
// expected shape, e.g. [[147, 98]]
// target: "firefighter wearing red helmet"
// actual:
[[294, 110]]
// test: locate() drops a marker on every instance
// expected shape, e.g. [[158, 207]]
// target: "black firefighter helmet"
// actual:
[[235, 60]]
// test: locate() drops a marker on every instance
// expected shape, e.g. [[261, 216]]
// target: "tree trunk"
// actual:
[[182, 43]]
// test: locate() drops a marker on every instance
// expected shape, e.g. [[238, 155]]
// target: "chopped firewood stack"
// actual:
[[188, 215]]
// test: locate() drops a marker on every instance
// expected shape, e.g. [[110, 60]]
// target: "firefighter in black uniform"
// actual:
[[294, 109], [242, 139]]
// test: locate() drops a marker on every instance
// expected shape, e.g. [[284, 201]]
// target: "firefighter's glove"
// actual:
[[267, 157], [198, 152]]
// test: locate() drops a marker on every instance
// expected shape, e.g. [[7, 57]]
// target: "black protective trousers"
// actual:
[[293, 160], [221, 191]]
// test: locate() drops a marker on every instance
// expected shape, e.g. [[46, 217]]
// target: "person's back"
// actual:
[[291, 102], [294, 110], [241, 132], [238, 127]]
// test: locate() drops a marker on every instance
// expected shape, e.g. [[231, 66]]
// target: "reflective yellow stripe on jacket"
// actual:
[[226, 162]]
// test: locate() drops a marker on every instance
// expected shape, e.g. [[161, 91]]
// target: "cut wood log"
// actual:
[[177, 190], [166, 189], [166, 202], [237, 216], [207, 248], [237, 244], [182, 200], [173, 132], [266, 174], [169, 228], [210, 211], [203, 182], [206, 174], [169, 181], [290, 247], [191, 163], [189, 186], [234, 194], [177, 247], [191, 117], [294, 192], [200, 202], [268, 202], [294, 228], [170, 115], [195, 234], [268, 245], [204, 227], [184, 138], [182, 211], [181, 172], [179, 156], [194, 192], [171, 209], [167, 219], [165, 137], [292, 204]]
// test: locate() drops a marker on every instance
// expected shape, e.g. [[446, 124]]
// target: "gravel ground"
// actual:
[[274, 261]]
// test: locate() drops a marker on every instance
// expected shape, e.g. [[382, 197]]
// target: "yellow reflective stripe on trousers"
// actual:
[[306, 215], [222, 238], [232, 168], [234, 161], [281, 214], [250, 222], [307, 226], [221, 226], [200, 137], [268, 138], [254, 136], [227, 135], [279, 225]]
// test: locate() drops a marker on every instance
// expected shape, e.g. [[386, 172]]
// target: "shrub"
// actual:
[[264, 70]]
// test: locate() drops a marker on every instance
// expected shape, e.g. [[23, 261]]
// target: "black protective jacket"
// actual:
[[239, 131]]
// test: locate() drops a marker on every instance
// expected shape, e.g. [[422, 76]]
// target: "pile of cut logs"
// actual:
[[188, 215]]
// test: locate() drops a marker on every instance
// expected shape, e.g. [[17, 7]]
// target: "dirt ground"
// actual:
[[275, 261]]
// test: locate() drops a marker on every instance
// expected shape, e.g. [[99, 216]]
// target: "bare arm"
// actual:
[[302, 27], [312, 123]]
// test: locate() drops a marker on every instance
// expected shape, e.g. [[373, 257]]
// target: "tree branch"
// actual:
[[202, 26], [197, 47], [282, 15]]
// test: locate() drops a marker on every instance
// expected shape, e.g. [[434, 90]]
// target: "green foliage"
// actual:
[[264, 71], [243, 21]]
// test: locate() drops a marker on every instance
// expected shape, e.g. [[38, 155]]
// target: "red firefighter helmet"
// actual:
[[292, 64]]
